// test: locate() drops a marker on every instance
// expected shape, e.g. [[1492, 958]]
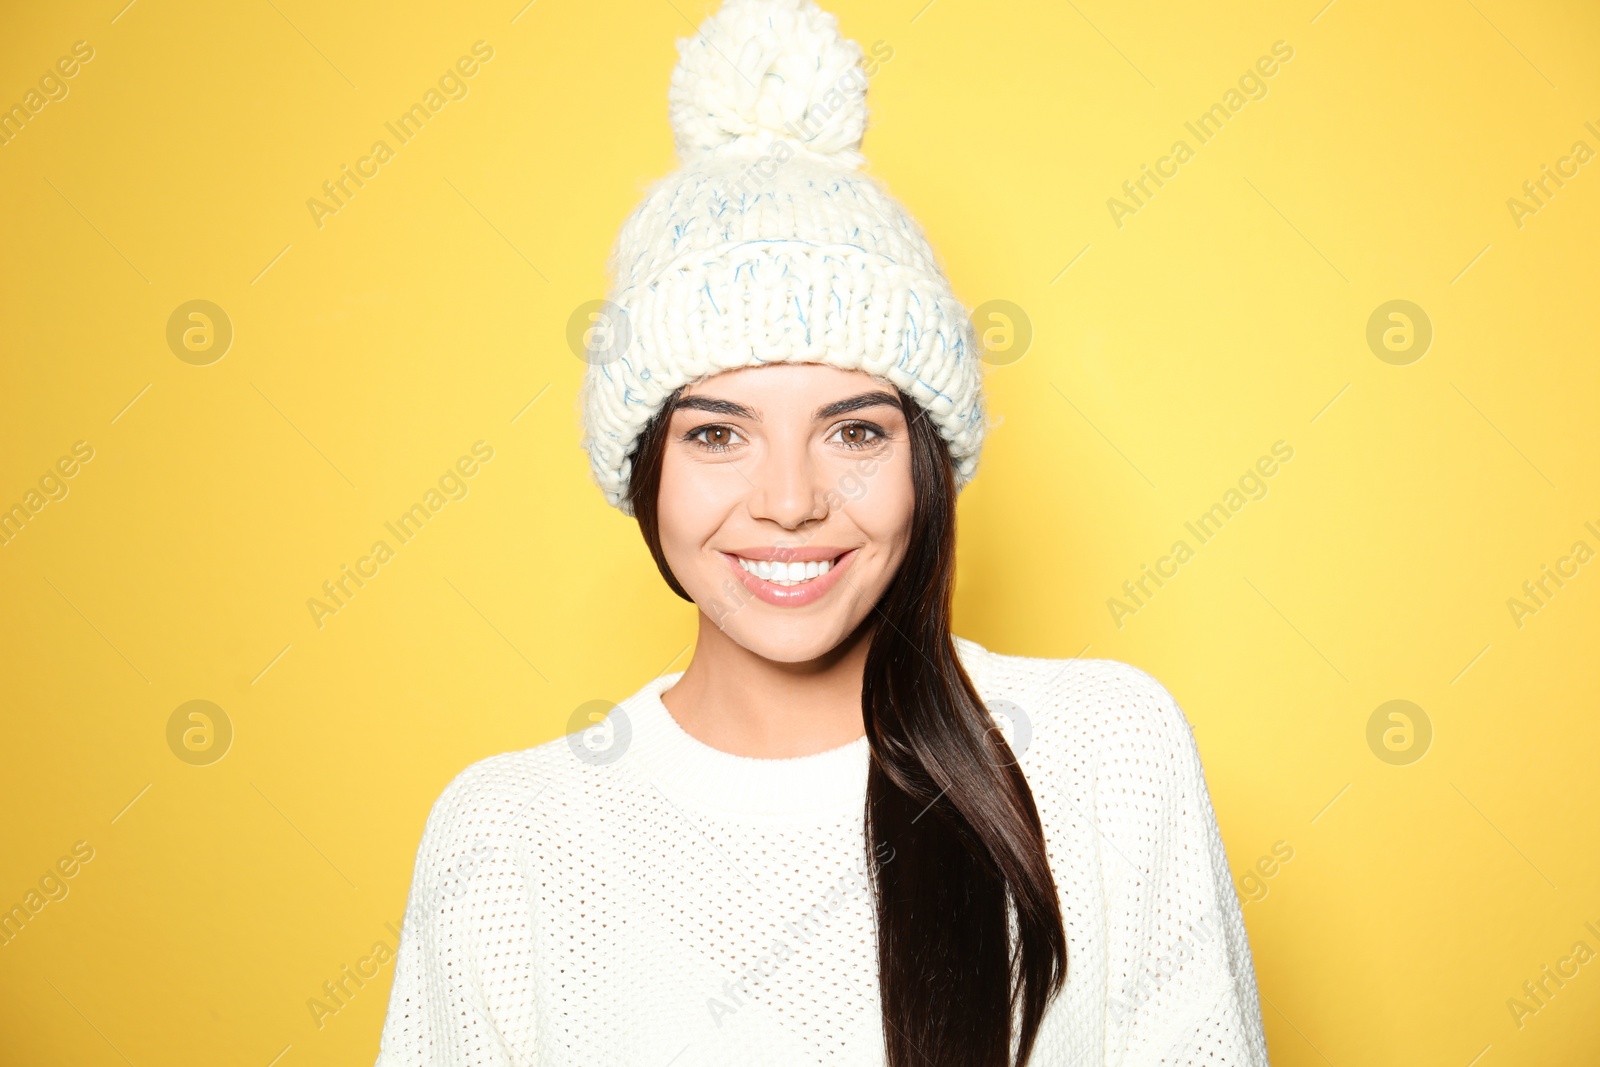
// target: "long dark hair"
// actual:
[[946, 802]]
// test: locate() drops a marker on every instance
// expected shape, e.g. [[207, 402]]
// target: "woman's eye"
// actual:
[[857, 434], [715, 438]]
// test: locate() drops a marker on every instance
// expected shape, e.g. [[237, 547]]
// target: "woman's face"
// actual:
[[785, 503]]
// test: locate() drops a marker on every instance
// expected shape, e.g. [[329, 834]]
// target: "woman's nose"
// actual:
[[785, 488]]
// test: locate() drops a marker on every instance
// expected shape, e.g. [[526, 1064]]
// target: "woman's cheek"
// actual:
[[693, 501], [882, 505], [883, 512]]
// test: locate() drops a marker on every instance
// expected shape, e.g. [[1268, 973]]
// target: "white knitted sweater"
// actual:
[[679, 905]]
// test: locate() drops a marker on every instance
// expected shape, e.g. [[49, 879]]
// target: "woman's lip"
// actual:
[[793, 596], [798, 554]]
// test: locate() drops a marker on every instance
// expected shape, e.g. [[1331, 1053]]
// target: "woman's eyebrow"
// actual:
[[855, 403], [717, 407]]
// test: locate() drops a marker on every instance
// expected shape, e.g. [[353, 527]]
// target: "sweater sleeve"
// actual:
[[1182, 983], [466, 938]]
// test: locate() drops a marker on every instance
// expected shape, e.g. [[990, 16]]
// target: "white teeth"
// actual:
[[785, 573]]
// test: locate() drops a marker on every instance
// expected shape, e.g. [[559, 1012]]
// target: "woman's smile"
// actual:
[[790, 577]]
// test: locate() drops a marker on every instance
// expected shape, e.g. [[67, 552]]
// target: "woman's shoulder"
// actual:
[[1102, 708], [500, 793]]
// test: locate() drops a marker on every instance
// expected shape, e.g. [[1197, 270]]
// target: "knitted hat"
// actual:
[[769, 245]]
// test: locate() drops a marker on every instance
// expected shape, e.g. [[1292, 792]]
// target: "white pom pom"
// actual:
[[764, 71]]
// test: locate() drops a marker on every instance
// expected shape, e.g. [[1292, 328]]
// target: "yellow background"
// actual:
[[1228, 313]]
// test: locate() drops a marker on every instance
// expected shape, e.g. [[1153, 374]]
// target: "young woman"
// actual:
[[818, 843]]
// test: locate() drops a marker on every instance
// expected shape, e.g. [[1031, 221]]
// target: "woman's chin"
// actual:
[[789, 640]]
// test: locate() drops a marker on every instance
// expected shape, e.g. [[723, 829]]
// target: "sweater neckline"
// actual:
[[685, 768]]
